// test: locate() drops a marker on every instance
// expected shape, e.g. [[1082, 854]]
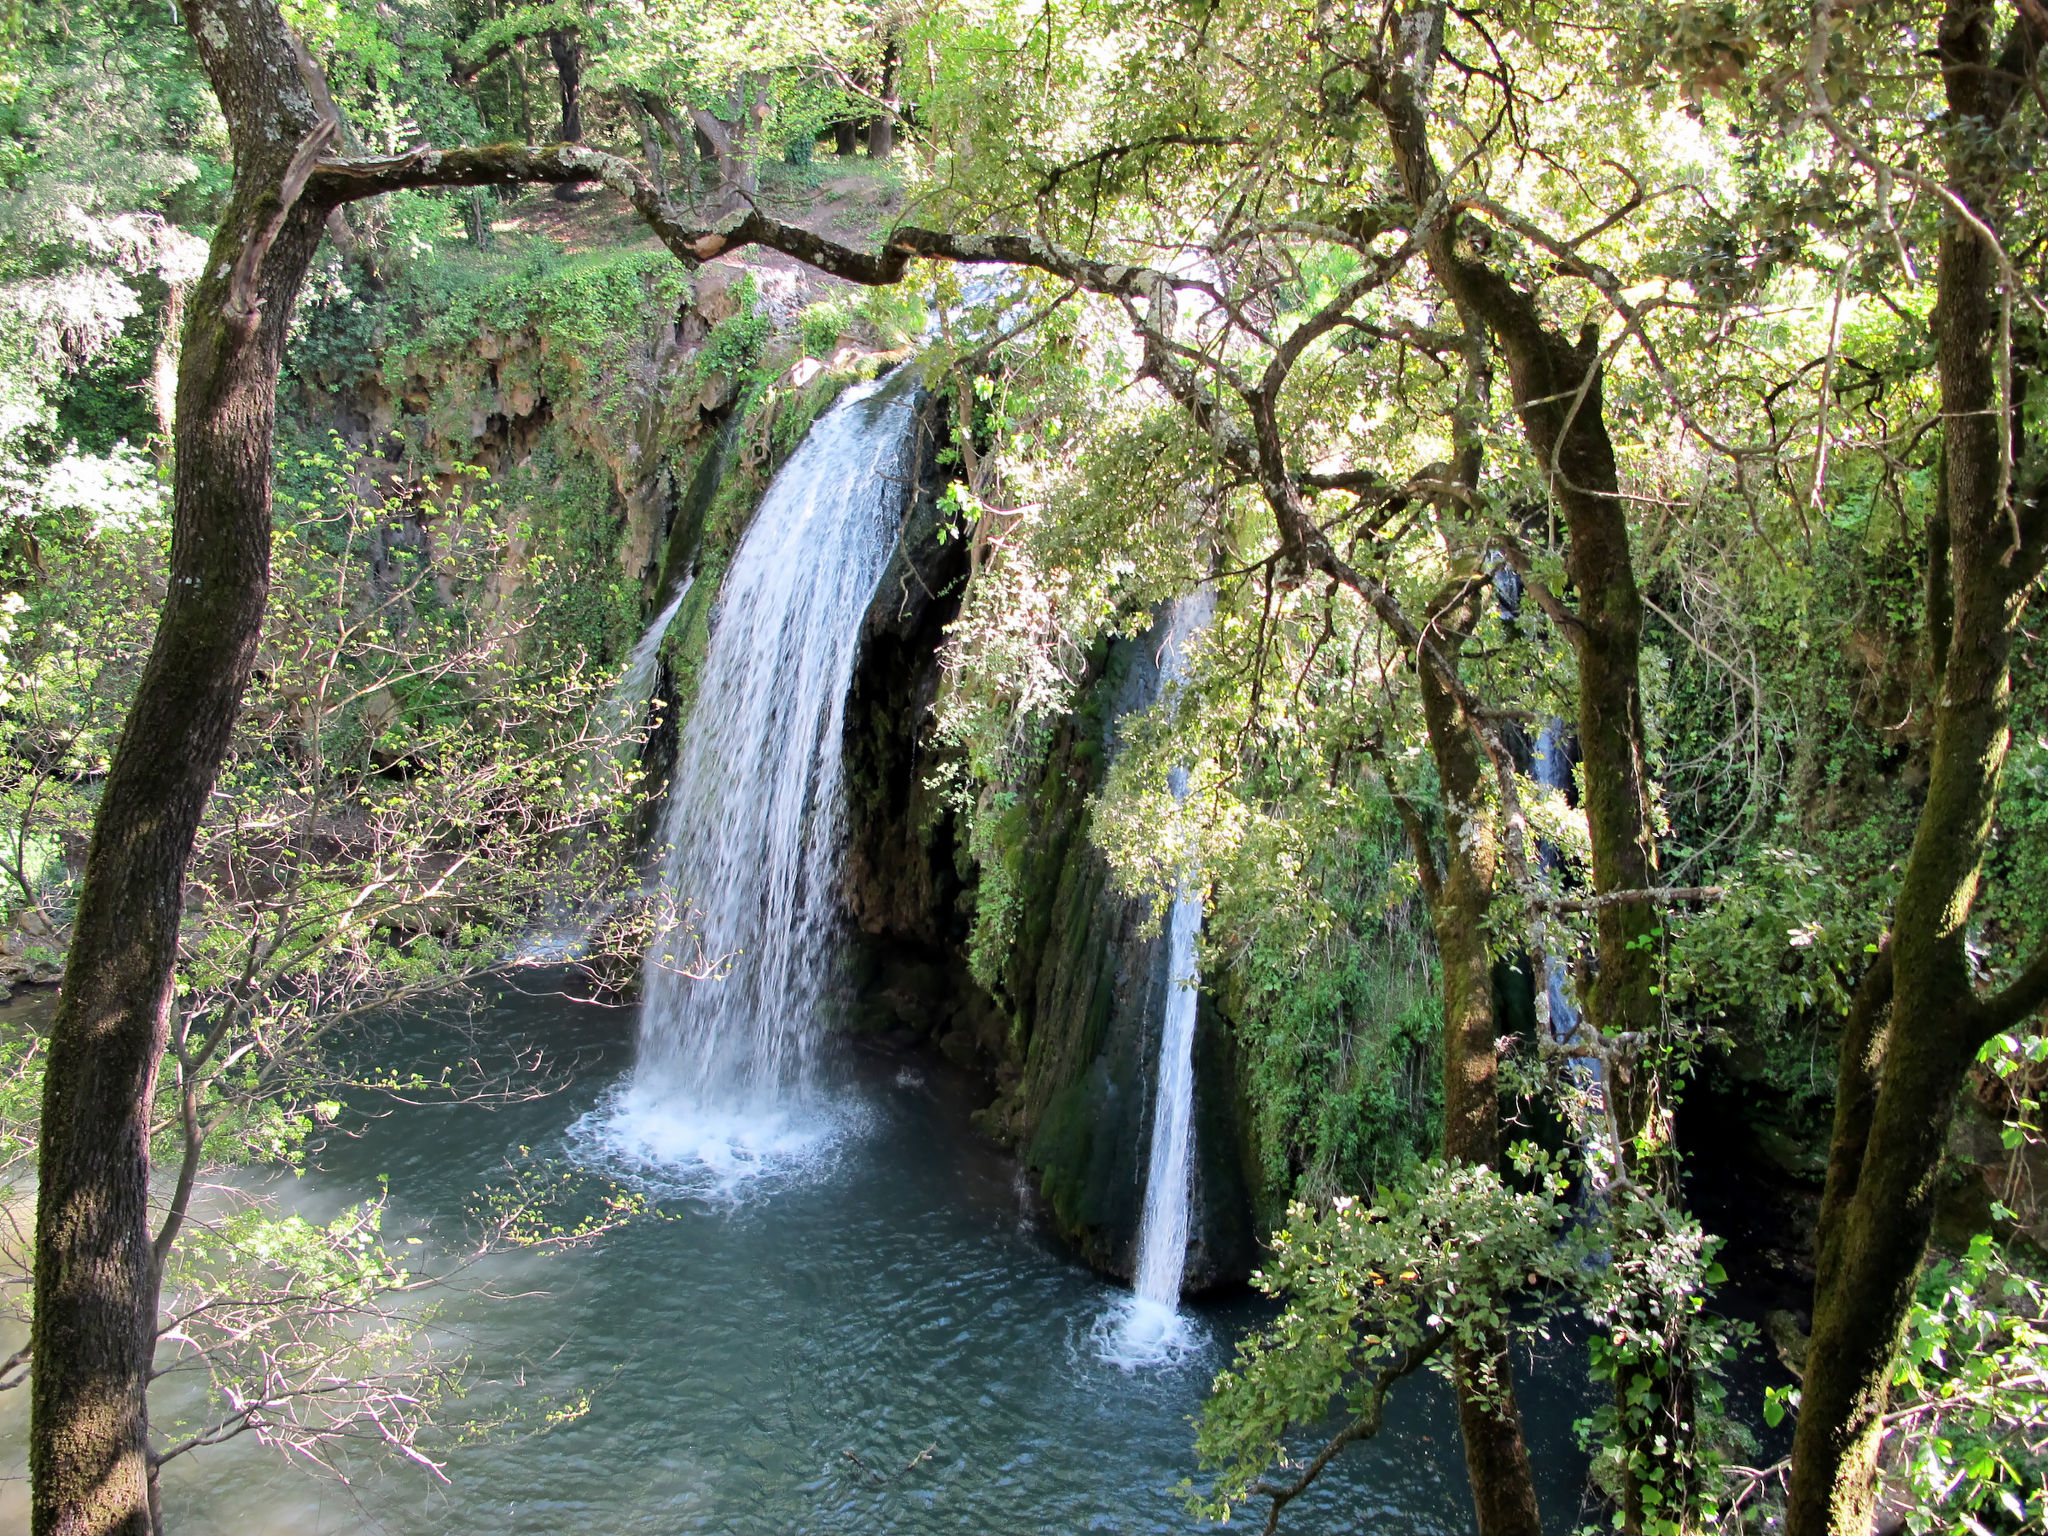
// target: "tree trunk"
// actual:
[[566, 49], [687, 143], [1496, 1455], [845, 137], [1896, 1086], [98, 1268], [650, 144], [1557, 393], [518, 68], [882, 126], [96, 1272], [738, 175]]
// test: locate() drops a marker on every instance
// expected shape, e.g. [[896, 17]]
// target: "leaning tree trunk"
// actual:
[[96, 1270], [650, 144], [1897, 1086]]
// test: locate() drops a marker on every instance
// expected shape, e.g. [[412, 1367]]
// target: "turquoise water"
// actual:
[[879, 1341]]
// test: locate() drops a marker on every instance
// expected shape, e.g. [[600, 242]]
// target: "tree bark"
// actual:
[[1496, 1454], [882, 126], [1897, 1085], [565, 47], [96, 1275]]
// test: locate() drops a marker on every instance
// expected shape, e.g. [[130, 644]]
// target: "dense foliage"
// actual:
[[1294, 277]]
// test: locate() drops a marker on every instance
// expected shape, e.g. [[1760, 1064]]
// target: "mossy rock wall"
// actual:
[[591, 392], [1090, 985], [1070, 1042]]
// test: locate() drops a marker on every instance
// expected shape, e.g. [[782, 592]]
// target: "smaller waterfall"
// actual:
[[616, 728], [625, 711], [1152, 1327], [1552, 768]]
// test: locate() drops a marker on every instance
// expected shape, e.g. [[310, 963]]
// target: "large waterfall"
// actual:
[[1151, 1326], [736, 976]]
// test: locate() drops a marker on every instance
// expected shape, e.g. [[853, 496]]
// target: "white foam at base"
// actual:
[[665, 1145], [1136, 1332]]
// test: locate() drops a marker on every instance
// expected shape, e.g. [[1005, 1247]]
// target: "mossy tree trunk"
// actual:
[[1556, 385], [1898, 1077], [96, 1265], [1458, 898]]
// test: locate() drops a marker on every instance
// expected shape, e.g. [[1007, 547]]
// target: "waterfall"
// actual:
[[625, 710], [617, 740], [1151, 1326], [1552, 768], [736, 975]]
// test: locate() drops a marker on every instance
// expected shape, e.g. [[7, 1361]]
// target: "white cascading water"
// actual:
[[625, 711], [1552, 768], [617, 732], [1151, 1326], [736, 975]]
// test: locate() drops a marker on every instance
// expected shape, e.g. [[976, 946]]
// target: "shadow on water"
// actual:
[[881, 1343]]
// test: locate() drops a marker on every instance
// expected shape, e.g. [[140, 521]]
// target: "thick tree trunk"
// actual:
[[566, 49], [96, 1272], [739, 175], [1897, 1085], [882, 126], [845, 137]]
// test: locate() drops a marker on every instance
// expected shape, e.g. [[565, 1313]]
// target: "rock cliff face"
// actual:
[[590, 394], [1069, 1043]]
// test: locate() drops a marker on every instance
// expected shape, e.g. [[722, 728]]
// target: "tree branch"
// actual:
[[2025, 996], [1364, 1427]]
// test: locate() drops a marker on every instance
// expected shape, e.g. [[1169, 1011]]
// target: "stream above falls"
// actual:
[[881, 1341]]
